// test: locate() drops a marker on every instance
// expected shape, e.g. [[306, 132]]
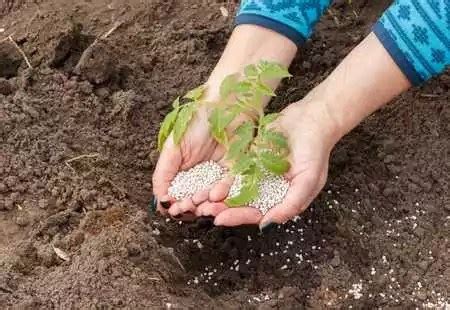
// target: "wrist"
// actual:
[[316, 115], [249, 44]]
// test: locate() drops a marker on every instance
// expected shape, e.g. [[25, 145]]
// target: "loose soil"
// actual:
[[77, 150]]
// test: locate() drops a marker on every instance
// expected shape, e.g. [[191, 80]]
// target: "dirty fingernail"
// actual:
[[268, 227], [179, 215], [165, 204], [153, 204]]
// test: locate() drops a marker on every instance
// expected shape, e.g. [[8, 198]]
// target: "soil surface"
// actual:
[[77, 150]]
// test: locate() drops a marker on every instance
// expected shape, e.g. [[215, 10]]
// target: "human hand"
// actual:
[[311, 133], [197, 145]]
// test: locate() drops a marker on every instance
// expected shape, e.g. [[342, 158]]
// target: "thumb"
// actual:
[[301, 192], [166, 168]]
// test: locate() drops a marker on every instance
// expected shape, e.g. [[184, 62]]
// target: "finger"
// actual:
[[165, 203], [186, 205], [221, 189], [300, 194], [166, 168], [208, 208], [200, 197], [238, 216], [182, 206]]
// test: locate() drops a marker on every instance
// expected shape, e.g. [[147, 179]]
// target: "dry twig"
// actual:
[[93, 155], [19, 50], [67, 162]]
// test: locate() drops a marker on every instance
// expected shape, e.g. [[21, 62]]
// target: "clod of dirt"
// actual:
[[5, 87], [97, 64], [10, 60], [69, 48]]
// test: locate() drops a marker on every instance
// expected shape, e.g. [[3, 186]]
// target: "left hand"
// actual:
[[311, 134]]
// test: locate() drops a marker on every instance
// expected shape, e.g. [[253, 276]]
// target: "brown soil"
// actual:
[[77, 149]]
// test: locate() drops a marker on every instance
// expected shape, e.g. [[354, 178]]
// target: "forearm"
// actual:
[[249, 44], [409, 45], [363, 82]]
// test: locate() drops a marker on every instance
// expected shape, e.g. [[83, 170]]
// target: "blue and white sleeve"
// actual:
[[294, 19], [416, 33]]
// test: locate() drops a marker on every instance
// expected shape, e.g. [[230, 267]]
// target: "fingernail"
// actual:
[[165, 204], [153, 204], [178, 216], [268, 227]]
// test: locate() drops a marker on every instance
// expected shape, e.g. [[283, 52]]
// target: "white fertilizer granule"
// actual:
[[271, 191], [272, 188], [198, 178]]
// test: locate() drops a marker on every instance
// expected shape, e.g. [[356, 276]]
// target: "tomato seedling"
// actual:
[[254, 148]]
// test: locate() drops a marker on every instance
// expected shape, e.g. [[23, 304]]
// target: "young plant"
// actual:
[[177, 121], [256, 149]]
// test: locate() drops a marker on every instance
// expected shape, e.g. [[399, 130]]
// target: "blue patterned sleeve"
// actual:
[[294, 19], [416, 33]]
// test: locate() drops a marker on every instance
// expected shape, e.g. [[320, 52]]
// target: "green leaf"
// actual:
[[247, 193], [245, 131], [184, 117], [264, 89], [251, 71], [218, 122], [274, 163], [243, 165], [166, 127], [275, 138], [244, 136], [272, 70], [228, 85], [196, 93], [243, 87], [269, 118], [176, 103]]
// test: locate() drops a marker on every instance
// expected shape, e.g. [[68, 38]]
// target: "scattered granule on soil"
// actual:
[[272, 188], [198, 178], [356, 290]]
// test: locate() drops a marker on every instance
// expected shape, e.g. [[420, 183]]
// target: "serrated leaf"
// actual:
[[275, 138], [264, 89], [244, 136], [272, 70], [251, 71], [243, 87], [245, 131], [218, 122], [196, 93], [247, 193], [228, 85], [274, 163], [184, 117], [166, 127], [243, 165], [269, 118]]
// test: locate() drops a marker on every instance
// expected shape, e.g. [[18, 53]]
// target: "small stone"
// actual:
[[43, 203], [5, 87], [22, 220], [336, 261], [419, 232], [423, 265], [388, 191]]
